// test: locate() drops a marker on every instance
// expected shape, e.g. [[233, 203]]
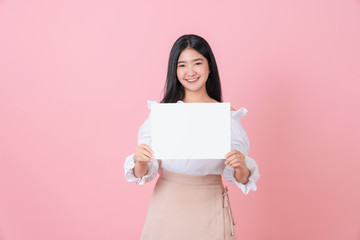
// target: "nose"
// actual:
[[191, 71]]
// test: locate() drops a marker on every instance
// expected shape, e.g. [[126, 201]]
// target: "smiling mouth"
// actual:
[[192, 80]]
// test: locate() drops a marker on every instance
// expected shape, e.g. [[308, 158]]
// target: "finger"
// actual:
[[143, 158], [236, 161], [230, 158], [232, 162], [235, 165], [147, 155], [143, 155], [145, 149], [148, 148], [230, 153], [233, 151]]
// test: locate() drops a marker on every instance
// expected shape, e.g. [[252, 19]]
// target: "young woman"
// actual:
[[189, 200]]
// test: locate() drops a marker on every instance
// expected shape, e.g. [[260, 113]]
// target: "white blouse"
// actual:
[[239, 141]]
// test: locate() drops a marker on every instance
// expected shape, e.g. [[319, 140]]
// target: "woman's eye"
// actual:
[[199, 63], [182, 65]]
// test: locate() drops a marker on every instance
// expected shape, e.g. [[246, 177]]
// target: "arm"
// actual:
[[242, 175], [138, 168], [143, 155], [236, 160]]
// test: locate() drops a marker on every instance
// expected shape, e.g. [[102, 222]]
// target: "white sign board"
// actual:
[[190, 130]]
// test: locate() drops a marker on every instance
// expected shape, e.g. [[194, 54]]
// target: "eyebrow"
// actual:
[[196, 59]]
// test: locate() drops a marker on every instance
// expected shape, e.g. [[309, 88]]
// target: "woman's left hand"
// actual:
[[236, 160]]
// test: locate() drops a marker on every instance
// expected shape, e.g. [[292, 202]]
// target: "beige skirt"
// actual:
[[188, 207]]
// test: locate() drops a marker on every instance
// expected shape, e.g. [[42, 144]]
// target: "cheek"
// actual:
[[205, 72], [179, 74], [204, 69], [207, 69]]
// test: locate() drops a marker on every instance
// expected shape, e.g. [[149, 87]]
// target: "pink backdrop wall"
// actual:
[[75, 77]]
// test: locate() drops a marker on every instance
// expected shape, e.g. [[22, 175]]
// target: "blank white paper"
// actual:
[[190, 130]]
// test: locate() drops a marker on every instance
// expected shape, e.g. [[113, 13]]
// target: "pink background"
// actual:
[[74, 79]]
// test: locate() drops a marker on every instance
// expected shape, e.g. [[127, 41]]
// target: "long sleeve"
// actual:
[[240, 142], [144, 137]]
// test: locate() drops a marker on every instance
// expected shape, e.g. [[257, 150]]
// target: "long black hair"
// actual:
[[174, 91]]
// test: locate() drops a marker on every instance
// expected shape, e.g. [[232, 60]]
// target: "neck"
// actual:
[[197, 97]]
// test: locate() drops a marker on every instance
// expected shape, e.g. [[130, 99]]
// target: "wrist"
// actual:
[[140, 163], [140, 168], [242, 174], [241, 169]]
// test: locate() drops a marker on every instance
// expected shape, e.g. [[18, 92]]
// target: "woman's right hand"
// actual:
[[144, 154]]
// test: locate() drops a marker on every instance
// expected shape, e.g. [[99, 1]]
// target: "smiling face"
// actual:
[[192, 71]]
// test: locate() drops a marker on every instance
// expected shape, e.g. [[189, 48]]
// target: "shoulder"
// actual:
[[214, 101]]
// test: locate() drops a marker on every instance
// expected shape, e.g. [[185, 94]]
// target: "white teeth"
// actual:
[[192, 80]]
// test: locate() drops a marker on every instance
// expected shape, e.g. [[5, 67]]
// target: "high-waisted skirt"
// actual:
[[188, 207]]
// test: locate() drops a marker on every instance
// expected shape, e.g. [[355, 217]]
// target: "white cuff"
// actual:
[[129, 171]]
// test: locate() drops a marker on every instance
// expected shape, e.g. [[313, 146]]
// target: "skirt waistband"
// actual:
[[206, 180]]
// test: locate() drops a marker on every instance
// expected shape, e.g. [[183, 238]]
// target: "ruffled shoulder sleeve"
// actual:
[[239, 138], [144, 137], [149, 103], [240, 142]]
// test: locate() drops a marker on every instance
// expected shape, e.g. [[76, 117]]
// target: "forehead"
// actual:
[[189, 54]]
